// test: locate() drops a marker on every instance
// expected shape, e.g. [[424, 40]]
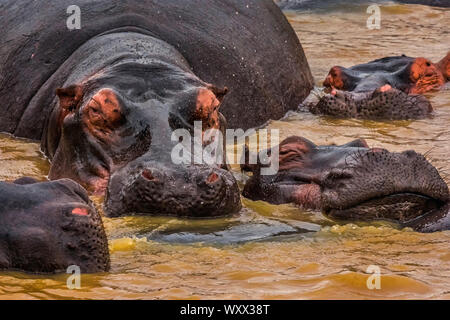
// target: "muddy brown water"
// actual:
[[271, 252]]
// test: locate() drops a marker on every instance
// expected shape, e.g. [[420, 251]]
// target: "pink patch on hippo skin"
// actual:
[[80, 211], [213, 177], [385, 88]]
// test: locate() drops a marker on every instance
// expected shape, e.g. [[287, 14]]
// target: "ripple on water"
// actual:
[[272, 252]]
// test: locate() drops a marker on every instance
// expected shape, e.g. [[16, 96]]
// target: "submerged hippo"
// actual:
[[105, 99], [410, 75], [49, 226], [388, 88], [355, 182]]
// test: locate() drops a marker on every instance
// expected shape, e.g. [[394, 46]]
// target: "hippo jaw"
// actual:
[[400, 187], [353, 182], [400, 207]]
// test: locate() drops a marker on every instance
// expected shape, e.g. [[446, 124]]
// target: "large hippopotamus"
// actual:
[[105, 99], [389, 88], [354, 182], [46, 227]]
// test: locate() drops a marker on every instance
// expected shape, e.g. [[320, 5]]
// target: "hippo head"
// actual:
[[112, 133], [48, 226], [352, 182], [389, 88]]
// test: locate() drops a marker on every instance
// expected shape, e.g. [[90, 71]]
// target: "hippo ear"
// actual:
[[218, 92], [69, 97]]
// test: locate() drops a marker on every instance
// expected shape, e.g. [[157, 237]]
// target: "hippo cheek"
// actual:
[[384, 186], [33, 248]]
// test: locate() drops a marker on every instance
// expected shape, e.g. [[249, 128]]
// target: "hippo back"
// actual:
[[247, 46]]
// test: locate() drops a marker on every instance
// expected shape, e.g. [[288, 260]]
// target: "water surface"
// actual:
[[272, 252]]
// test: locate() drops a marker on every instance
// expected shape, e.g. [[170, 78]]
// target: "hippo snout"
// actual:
[[377, 184], [158, 189]]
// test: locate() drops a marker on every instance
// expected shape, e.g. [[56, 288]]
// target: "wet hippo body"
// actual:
[[136, 72], [384, 89], [46, 227], [228, 43], [353, 182]]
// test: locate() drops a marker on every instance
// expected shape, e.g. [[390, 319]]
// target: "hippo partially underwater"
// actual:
[[48, 226], [105, 100], [389, 88], [353, 182]]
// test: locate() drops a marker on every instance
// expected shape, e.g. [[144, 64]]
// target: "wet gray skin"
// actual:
[[356, 183], [391, 105], [45, 227], [374, 105]]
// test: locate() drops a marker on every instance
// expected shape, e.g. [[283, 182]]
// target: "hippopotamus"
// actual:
[[105, 99], [45, 227], [353, 182], [390, 88], [410, 75]]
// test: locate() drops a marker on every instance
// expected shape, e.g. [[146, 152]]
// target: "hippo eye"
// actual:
[[428, 64]]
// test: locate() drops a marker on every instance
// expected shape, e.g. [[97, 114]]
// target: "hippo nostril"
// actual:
[[147, 174], [213, 177]]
